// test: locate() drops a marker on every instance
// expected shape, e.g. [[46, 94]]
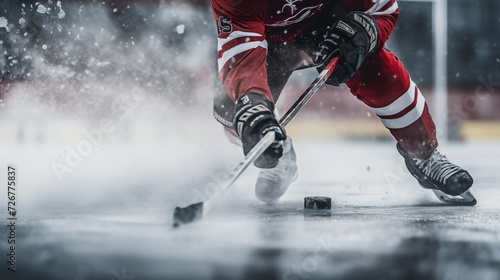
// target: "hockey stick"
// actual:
[[194, 212]]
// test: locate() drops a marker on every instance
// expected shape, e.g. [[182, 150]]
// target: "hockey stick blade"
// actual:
[[465, 199], [187, 214], [194, 212]]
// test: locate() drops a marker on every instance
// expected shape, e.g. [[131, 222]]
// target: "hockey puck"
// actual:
[[317, 202]]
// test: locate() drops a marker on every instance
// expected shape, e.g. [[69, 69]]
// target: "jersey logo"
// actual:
[[290, 4], [301, 15], [224, 25]]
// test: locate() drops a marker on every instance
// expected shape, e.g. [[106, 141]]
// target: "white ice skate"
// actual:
[[449, 182], [273, 183]]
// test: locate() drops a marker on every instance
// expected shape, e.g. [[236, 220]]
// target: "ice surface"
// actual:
[[114, 212]]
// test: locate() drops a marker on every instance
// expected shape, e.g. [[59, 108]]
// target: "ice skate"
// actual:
[[449, 182], [273, 183]]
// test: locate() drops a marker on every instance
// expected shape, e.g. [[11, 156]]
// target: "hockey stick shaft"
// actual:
[[310, 91], [195, 211], [256, 151]]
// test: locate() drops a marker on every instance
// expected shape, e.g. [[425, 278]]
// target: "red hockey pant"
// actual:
[[385, 86]]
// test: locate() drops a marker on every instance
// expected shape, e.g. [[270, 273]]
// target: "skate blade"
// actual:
[[465, 199]]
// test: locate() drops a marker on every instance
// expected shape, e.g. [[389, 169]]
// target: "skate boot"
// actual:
[[449, 182], [272, 183]]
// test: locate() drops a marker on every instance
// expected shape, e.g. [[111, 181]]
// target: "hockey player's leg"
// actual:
[[271, 183], [385, 86]]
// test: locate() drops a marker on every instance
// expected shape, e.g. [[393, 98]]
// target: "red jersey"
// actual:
[[244, 27]]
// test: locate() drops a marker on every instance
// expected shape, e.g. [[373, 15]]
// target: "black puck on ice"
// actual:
[[317, 202]]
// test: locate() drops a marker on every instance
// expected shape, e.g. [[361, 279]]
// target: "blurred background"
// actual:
[[76, 57], [106, 111]]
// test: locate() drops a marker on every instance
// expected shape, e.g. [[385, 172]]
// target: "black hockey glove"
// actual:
[[254, 118], [352, 39]]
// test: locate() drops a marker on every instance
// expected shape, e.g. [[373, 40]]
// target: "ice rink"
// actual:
[[111, 217], [106, 117]]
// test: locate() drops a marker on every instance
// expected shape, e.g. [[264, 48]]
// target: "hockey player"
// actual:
[[261, 42]]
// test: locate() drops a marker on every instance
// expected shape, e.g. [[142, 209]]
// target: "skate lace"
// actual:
[[437, 167]]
